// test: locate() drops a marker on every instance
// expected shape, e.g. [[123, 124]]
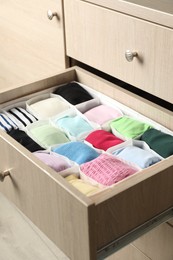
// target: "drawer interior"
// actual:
[[109, 214]]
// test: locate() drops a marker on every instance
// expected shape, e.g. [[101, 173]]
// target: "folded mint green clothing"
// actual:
[[47, 135], [143, 158], [129, 127], [78, 152], [74, 125], [158, 141]]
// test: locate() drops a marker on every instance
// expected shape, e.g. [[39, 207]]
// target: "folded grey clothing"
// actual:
[[74, 93], [22, 138], [143, 158]]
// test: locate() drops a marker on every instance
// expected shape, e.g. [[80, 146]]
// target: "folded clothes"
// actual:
[[74, 125], [158, 141], [22, 138], [143, 158], [102, 139], [107, 169], [20, 116], [78, 152], [56, 161], [129, 127], [73, 93], [102, 113], [82, 186], [48, 107], [6, 124], [47, 135]]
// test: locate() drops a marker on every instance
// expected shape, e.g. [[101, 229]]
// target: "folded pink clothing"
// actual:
[[54, 160], [102, 113], [107, 169], [102, 139]]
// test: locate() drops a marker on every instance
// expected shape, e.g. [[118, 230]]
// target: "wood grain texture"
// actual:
[[31, 47], [157, 244], [103, 36], [21, 239], [65, 215], [157, 11]]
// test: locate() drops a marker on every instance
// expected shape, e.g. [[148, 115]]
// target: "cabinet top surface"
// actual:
[[157, 11]]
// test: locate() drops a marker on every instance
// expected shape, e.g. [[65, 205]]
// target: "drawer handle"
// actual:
[[51, 14], [130, 55], [3, 175]]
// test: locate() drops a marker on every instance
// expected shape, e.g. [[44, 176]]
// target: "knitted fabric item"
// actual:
[[102, 114], [129, 127], [102, 139], [56, 161], [74, 125], [6, 124], [20, 116], [73, 93], [107, 169], [78, 152], [47, 135], [22, 138], [143, 158], [48, 107], [158, 141], [82, 186]]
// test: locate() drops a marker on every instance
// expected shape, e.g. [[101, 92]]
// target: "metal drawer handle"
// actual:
[[4, 174], [130, 55], [51, 14]]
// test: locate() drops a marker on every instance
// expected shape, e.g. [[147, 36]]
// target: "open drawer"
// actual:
[[83, 226]]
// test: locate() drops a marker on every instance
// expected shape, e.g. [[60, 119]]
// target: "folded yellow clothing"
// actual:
[[81, 185]]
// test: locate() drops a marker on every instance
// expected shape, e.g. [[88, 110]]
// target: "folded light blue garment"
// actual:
[[78, 152], [143, 158], [74, 125]]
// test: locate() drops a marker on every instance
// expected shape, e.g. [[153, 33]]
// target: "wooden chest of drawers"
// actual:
[[98, 36]]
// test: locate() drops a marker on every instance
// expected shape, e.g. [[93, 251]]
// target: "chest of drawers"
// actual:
[[84, 227]]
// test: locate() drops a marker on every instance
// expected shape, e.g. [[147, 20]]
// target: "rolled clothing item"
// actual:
[[143, 158], [77, 151], [73, 92], [102, 114], [107, 169], [47, 135], [82, 186], [20, 116], [158, 141], [74, 125], [102, 139], [22, 138], [48, 107], [6, 124], [55, 161], [129, 127]]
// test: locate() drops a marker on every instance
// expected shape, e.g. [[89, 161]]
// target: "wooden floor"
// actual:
[[20, 239]]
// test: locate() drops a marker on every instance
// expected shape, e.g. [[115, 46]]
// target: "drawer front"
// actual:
[[32, 46], [65, 215], [100, 37]]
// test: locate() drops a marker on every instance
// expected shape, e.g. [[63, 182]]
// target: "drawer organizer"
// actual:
[[113, 211]]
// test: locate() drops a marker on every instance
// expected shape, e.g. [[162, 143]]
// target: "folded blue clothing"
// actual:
[[74, 125], [78, 152], [143, 158]]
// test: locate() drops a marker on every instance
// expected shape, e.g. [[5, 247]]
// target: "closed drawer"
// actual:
[[32, 46], [103, 36], [77, 224]]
